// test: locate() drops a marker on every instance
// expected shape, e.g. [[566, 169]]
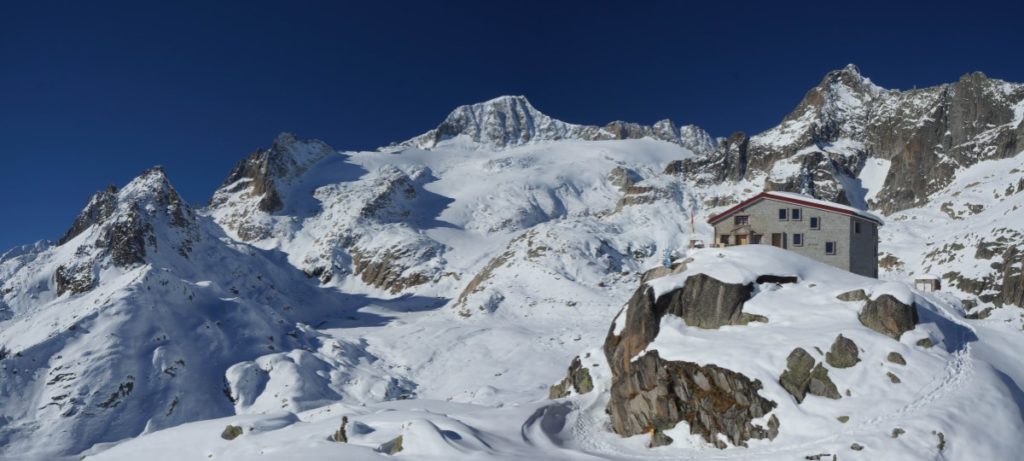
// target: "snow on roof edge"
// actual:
[[805, 200]]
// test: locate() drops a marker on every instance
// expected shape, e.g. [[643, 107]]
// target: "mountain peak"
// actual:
[[501, 122], [122, 224], [850, 77], [511, 120], [149, 186], [261, 175], [285, 138], [505, 99], [851, 69]]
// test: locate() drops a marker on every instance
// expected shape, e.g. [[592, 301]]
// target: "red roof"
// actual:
[[799, 200]]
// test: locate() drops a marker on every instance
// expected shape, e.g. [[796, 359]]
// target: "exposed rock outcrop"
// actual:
[[623, 177], [231, 432], [657, 394], [706, 302], [1012, 289], [802, 377], [925, 134], [662, 271], [383, 270], [341, 435], [577, 380], [391, 447], [652, 394], [126, 240], [843, 353], [259, 173], [74, 280], [888, 316], [853, 295], [123, 227], [101, 206]]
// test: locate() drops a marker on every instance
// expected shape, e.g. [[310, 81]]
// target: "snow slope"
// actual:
[[951, 388]]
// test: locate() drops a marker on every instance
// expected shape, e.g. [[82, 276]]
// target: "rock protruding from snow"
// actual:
[[650, 393], [259, 183], [853, 295], [623, 177], [655, 394], [577, 380], [706, 302], [74, 279], [1012, 289], [888, 316], [689, 136], [843, 353], [802, 377], [121, 226], [100, 207]]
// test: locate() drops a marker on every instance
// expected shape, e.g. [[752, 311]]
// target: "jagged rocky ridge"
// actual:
[[926, 134]]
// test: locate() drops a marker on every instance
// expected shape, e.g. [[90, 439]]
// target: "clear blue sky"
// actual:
[[91, 93]]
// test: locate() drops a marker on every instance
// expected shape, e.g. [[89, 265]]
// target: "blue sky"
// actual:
[[91, 93]]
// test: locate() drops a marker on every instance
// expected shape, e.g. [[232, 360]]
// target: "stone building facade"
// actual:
[[834, 234]]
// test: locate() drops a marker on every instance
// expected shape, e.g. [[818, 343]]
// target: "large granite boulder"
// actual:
[[706, 302], [843, 353], [888, 316], [655, 394], [821, 385], [703, 302], [651, 394], [802, 377]]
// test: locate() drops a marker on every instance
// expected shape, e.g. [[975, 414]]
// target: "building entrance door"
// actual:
[[741, 239], [778, 240]]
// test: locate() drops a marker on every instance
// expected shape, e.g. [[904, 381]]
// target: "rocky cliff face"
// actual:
[[260, 183], [820, 148], [121, 227]]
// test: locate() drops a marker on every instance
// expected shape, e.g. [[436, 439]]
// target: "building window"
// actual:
[[724, 240], [783, 214], [755, 239], [794, 214], [856, 227], [741, 220], [830, 248], [815, 223], [798, 240]]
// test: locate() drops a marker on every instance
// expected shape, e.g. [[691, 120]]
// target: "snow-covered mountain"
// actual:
[[510, 121], [848, 134], [130, 322], [436, 288]]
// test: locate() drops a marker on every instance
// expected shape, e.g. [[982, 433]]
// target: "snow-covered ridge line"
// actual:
[[509, 121]]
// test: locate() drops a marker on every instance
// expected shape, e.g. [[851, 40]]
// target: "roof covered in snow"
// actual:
[[799, 199]]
